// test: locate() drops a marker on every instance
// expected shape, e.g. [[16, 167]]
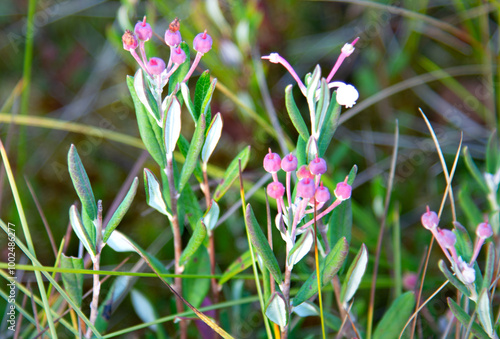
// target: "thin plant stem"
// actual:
[[382, 230], [286, 291], [254, 266], [94, 306], [318, 275], [27, 67], [177, 241]]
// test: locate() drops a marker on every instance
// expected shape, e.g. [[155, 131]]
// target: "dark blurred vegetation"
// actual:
[[439, 56]]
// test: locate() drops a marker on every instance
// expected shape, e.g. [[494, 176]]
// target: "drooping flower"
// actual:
[[202, 43], [172, 34], [143, 30]]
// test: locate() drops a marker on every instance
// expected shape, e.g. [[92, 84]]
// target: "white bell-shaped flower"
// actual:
[[347, 95]]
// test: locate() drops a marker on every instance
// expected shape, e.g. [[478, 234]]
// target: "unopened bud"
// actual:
[[172, 34], [129, 41], [156, 66], [143, 30], [202, 43]]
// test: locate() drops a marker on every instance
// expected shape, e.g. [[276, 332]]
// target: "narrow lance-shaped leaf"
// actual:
[[259, 241], [145, 98], [484, 312], [354, 275], [213, 135], [276, 309], [197, 238], [464, 243], [193, 152], [205, 106], [117, 217], [294, 113], [81, 233], [149, 130], [464, 319], [301, 247], [143, 308], [81, 183], [329, 125], [232, 173], [469, 208], [187, 100], [395, 318], [489, 267], [492, 153], [322, 106], [211, 216], [200, 92], [172, 127], [182, 71], [197, 289], [453, 279], [73, 282], [328, 268], [154, 197], [476, 174], [237, 266]]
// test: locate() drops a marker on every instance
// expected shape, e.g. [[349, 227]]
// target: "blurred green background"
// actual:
[[441, 56]]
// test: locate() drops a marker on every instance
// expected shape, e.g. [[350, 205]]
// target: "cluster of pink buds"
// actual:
[[155, 67], [447, 240], [309, 190], [346, 94]]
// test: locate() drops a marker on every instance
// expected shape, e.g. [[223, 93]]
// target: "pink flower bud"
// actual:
[[410, 281], [322, 193], [430, 219], [272, 162], [484, 230], [178, 55], [289, 163], [306, 188], [317, 166], [156, 66], [129, 41], [143, 30], [275, 190], [343, 191], [202, 43], [172, 34], [304, 172], [446, 238]]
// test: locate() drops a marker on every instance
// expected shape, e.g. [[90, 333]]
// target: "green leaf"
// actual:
[[192, 206], [146, 97], [329, 126], [183, 145], [476, 174], [187, 99], [73, 282], [329, 267], [352, 175], [464, 319], [492, 154], [276, 309], [489, 268], [340, 223], [322, 105], [205, 106], [172, 126], [148, 129], [237, 266], [81, 232], [143, 308], [354, 275], [154, 197], [211, 216], [193, 152], [259, 241], [196, 239], [202, 89], [312, 84], [395, 318], [195, 290], [81, 183], [213, 135], [453, 279], [469, 208], [294, 113], [311, 149], [301, 247], [121, 210], [232, 173], [484, 312], [464, 243], [182, 71]]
